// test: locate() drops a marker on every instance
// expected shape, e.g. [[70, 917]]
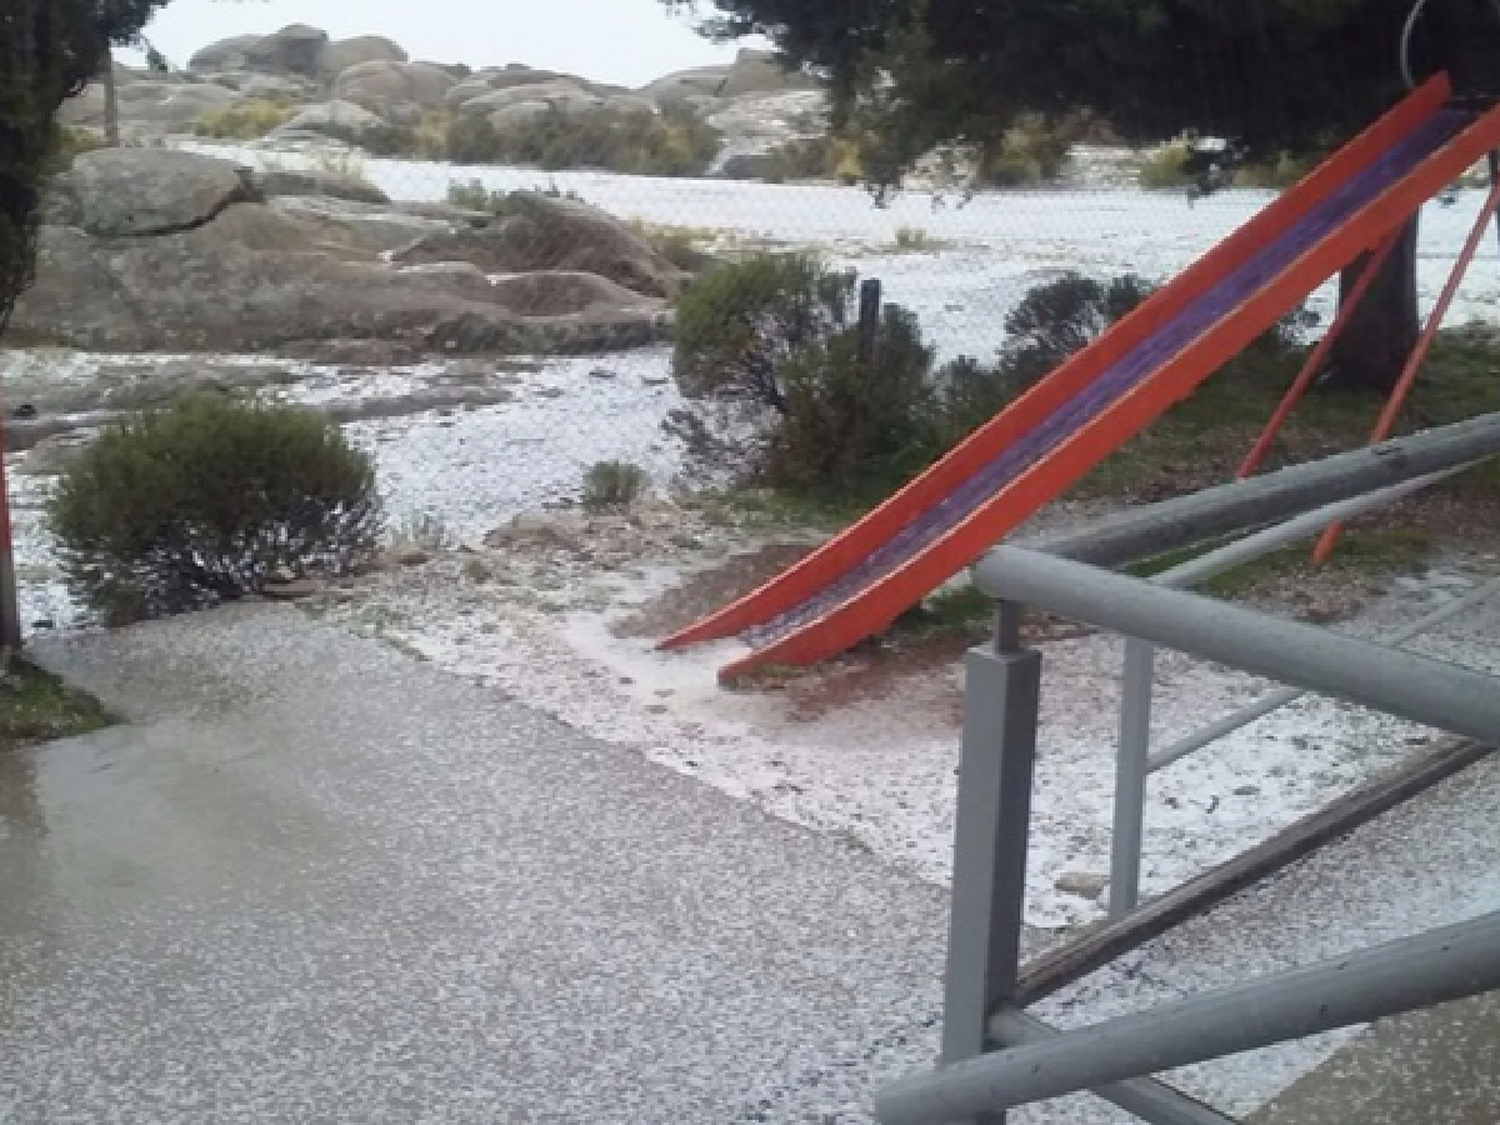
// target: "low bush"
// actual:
[[738, 323], [1035, 151], [851, 430], [245, 121], [73, 141], [205, 501], [779, 332], [613, 486], [474, 196], [633, 143], [1167, 167], [813, 158]]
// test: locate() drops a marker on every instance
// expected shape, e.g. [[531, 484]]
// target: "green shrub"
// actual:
[[642, 144], [813, 158], [474, 196], [1283, 171], [72, 142], [613, 485], [780, 331], [737, 324], [1061, 317], [1035, 151], [206, 500], [1167, 167], [245, 121], [850, 431]]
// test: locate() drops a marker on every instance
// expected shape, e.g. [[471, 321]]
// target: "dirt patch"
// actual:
[[710, 589]]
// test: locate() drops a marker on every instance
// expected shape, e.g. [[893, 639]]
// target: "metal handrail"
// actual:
[[985, 990], [1135, 763], [1389, 979], [1425, 690]]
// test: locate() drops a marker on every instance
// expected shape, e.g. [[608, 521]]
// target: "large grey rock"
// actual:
[[276, 87], [699, 82], [134, 192], [295, 49], [341, 54], [331, 118], [257, 278], [758, 72], [279, 183], [550, 234], [752, 72], [565, 293], [561, 94], [397, 91], [226, 54], [158, 108]]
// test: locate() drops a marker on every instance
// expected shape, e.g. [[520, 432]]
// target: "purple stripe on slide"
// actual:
[[1191, 323]]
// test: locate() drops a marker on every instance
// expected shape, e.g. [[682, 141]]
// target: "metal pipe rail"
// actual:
[[1241, 506], [1135, 762], [1398, 976], [1431, 692]]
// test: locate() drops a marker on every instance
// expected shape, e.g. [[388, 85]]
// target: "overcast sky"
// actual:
[[629, 42]]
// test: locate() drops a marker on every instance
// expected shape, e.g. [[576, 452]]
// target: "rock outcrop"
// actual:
[[396, 91], [154, 250], [343, 88]]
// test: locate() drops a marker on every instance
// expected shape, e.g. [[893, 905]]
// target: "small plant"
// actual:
[[916, 240], [613, 486], [72, 142], [245, 121], [676, 244], [1167, 167], [424, 532], [1035, 151], [205, 501], [813, 158], [474, 196]]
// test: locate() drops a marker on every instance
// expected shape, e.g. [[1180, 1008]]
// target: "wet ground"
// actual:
[[310, 879]]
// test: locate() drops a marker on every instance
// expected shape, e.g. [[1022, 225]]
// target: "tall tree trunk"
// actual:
[[1376, 343], [111, 103]]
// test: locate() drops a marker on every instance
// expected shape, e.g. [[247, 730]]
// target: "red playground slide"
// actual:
[[860, 581]]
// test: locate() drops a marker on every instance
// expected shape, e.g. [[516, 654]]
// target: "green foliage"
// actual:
[[613, 485], [851, 430], [245, 121], [813, 158], [72, 142], [1166, 167], [474, 196], [36, 706], [205, 501], [642, 144], [1278, 76], [738, 323], [1033, 151]]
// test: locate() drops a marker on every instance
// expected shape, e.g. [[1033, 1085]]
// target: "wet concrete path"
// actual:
[[312, 880]]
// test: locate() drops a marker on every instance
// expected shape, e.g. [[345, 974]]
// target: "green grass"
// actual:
[[1202, 440], [36, 706], [1361, 553]]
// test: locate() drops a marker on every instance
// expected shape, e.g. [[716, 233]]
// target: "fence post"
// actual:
[[1132, 767], [996, 769], [869, 326]]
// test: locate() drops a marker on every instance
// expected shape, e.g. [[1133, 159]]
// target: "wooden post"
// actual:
[[869, 326]]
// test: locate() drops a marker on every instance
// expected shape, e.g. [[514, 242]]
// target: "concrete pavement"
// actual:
[[312, 880]]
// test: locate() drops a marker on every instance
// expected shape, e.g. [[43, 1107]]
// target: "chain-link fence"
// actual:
[[433, 255]]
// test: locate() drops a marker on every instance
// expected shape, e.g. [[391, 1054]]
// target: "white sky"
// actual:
[[629, 42]]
